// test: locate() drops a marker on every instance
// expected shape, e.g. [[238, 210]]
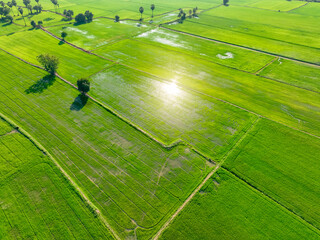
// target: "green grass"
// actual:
[[169, 112], [238, 58], [277, 5], [127, 175], [7, 29], [47, 18], [280, 102], [100, 32], [284, 164], [4, 127], [37, 202], [227, 208], [73, 63], [259, 29], [294, 73], [312, 9]]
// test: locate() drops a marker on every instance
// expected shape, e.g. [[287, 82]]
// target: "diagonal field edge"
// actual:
[[166, 224]]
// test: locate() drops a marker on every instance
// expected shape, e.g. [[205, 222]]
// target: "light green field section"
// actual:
[[259, 29], [133, 180], [277, 5], [284, 164], [73, 63], [219, 53], [171, 113], [100, 32], [37, 202], [280, 102], [7, 28], [311, 9], [297, 74], [227, 208], [4, 127]]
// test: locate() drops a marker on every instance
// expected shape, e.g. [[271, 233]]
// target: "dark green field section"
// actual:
[[170, 112], [227, 208], [133, 180], [284, 164], [36, 200], [296, 37], [297, 74], [280, 102]]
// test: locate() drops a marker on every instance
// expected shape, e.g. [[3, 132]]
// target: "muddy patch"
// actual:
[[227, 55]]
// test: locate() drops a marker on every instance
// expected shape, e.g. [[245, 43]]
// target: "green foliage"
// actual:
[[83, 85], [63, 35], [49, 62], [80, 18]]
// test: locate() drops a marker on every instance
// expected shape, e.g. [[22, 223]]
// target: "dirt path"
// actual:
[[167, 223], [242, 47]]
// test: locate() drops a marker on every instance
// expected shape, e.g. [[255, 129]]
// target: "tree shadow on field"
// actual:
[[79, 102], [41, 84]]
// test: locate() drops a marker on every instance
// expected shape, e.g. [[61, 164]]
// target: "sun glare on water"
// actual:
[[171, 89]]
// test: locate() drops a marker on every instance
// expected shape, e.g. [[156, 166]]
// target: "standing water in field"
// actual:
[[227, 55]]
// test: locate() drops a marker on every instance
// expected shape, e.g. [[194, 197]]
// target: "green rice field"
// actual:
[[199, 119]]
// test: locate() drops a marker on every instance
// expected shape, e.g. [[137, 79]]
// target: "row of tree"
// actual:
[[50, 63]]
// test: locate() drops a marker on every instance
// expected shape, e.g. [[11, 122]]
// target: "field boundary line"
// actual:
[[297, 7], [267, 65], [243, 47], [312, 227], [83, 196], [198, 188]]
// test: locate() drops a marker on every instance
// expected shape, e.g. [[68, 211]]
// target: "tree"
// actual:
[[33, 24], [10, 6], [4, 11], [26, 2], [29, 7], [49, 62], [152, 9], [37, 8], [37, 1], [190, 13], [117, 18], [63, 35], [89, 16], [80, 18], [40, 24], [225, 2], [195, 11], [83, 85], [9, 18], [2, 3], [141, 10], [14, 3], [21, 12]]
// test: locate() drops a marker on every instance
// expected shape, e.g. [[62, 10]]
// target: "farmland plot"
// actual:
[[169, 112], [227, 208], [297, 74], [73, 62], [99, 32], [284, 164], [216, 52], [133, 180], [36, 199], [277, 5], [279, 102], [259, 29]]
